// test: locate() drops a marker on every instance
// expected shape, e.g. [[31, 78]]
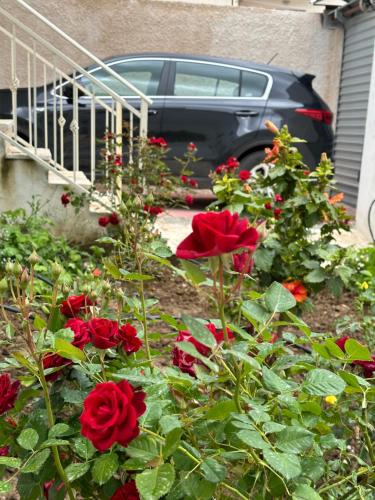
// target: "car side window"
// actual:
[[253, 84], [206, 80], [143, 74]]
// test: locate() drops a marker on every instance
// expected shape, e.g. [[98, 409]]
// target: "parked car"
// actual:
[[218, 104]]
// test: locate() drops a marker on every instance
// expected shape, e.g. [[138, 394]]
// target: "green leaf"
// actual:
[[35, 463], [313, 467], [14, 463], [104, 468], [263, 259], [172, 441], [253, 310], [273, 382], [113, 270], [271, 427], [278, 298], [68, 351], [74, 471], [294, 440], [213, 471], [127, 276], [84, 448], [221, 410], [144, 447], [253, 439], [152, 484], [5, 487], [316, 276], [320, 382], [286, 464], [59, 430], [194, 272], [168, 423], [199, 331], [28, 439], [305, 492], [357, 351], [248, 360], [190, 349]]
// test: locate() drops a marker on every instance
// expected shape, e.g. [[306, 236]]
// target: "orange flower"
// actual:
[[272, 154], [336, 198], [297, 289], [96, 272], [271, 127]]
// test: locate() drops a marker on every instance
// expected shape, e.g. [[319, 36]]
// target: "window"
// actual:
[[253, 84], [144, 75], [194, 79]]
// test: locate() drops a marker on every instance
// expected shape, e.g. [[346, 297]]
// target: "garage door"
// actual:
[[353, 102]]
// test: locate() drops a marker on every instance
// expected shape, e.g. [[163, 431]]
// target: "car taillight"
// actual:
[[320, 115]]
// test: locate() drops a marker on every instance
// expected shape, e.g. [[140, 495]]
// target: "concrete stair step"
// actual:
[[13, 153], [75, 177], [97, 208]]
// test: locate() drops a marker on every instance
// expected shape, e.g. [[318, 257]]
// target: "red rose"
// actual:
[[220, 169], [118, 162], [4, 451], [74, 305], [297, 289], [110, 414], [114, 219], [153, 210], [279, 198], [103, 221], [81, 332], [277, 213], [268, 206], [193, 183], [242, 262], [129, 341], [65, 199], [191, 147], [368, 366], [189, 200], [342, 341], [103, 332], [54, 361], [127, 491], [8, 392], [215, 233], [157, 141], [244, 175], [186, 362], [232, 162], [184, 179]]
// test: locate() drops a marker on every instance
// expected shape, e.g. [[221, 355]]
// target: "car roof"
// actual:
[[222, 60]]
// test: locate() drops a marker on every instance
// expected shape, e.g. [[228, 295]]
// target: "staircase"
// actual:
[[40, 129]]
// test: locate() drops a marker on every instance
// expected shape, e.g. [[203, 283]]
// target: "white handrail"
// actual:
[[78, 46]]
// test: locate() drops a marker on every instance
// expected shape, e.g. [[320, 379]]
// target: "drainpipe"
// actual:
[[353, 7]]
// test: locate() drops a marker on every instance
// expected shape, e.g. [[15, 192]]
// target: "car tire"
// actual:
[[254, 162]]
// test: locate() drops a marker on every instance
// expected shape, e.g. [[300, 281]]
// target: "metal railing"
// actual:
[[47, 111]]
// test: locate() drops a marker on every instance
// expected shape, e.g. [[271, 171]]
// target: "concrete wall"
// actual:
[[112, 27]]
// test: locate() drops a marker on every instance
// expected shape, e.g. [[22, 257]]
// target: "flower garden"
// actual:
[[106, 394]]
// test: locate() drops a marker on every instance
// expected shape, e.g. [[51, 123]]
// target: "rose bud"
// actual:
[[271, 127], [34, 258], [65, 199], [192, 147], [189, 200], [279, 198], [103, 221], [268, 206]]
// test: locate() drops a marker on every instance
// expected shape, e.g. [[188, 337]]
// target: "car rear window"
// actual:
[[206, 80], [253, 84]]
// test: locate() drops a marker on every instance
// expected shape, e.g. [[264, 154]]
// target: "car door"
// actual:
[[210, 104], [146, 74]]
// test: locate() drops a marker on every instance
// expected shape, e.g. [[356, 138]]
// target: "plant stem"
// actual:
[[369, 445], [345, 479], [51, 422], [144, 313]]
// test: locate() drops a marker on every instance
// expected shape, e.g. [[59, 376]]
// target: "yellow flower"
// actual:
[[364, 285], [331, 400]]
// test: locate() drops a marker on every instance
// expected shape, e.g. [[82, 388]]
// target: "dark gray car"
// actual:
[[218, 104]]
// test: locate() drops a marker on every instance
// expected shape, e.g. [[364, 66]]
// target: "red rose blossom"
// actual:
[[153, 210], [158, 141], [185, 361], [268, 206], [128, 339], [232, 163], [103, 221], [189, 200], [110, 414], [4, 451], [114, 219], [220, 169], [342, 341], [278, 198], [216, 233], [104, 332], [65, 199], [54, 361], [242, 262], [74, 305], [127, 491], [244, 175], [8, 392], [368, 366], [277, 213], [191, 147], [184, 179], [297, 289], [193, 183], [81, 332]]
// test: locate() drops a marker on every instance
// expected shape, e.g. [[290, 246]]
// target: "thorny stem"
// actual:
[[144, 311]]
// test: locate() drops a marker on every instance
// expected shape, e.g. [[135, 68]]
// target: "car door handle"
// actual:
[[247, 112], [152, 111]]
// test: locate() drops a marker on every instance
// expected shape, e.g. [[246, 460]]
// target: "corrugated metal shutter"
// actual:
[[353, 102]]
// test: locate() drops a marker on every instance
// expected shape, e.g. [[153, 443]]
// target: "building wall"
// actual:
[[294, 40]]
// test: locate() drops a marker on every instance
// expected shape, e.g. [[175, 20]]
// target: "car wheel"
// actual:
[[255, 163]]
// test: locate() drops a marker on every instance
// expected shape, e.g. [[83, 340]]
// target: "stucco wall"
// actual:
[[111, 27]]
